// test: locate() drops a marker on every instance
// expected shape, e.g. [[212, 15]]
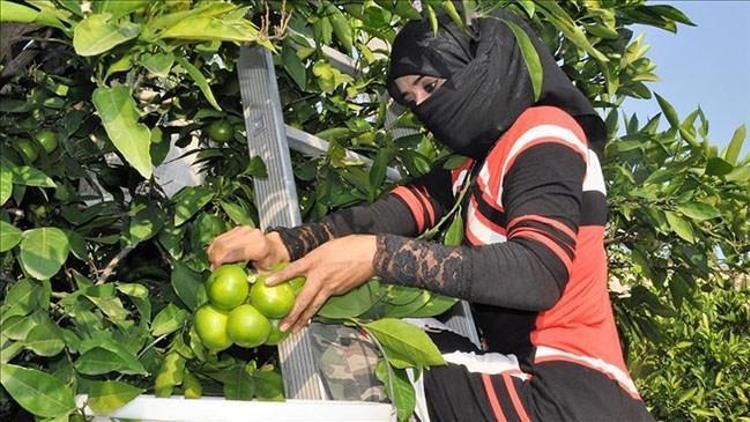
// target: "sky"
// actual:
[[707, 65]]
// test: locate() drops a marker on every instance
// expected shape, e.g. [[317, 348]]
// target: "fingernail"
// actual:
[[284, 326], [270, 280]]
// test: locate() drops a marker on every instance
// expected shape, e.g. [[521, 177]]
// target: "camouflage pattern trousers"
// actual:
[[347, 359]]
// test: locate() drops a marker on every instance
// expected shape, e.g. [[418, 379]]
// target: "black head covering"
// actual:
[[487, 82]]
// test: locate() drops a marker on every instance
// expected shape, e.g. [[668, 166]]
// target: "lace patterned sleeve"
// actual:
[[406, 211]]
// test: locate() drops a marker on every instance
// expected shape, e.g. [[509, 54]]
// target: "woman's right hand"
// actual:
[[245, 243]]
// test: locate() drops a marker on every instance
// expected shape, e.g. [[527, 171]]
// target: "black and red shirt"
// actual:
[[533, 265]]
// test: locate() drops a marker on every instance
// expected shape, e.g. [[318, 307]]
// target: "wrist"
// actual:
[[278, 251]]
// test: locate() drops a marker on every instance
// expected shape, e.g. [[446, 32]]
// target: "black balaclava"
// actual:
[[487, 82]]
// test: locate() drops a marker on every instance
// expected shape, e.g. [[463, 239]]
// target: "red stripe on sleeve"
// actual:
[[414, 204], [424, 197], [546, 220], [543, 238]]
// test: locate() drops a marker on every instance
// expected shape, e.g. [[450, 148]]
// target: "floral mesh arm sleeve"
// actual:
[[407, 211]]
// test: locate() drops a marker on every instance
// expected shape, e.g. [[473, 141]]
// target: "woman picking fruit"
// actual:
[[534, 266]]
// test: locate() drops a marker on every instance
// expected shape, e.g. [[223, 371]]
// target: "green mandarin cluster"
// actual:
[[241, 314]]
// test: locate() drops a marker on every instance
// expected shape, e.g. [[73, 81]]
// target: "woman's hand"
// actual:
[[245, 243], [333, 268]]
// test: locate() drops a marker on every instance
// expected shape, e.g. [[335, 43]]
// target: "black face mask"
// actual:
[[487, 83]]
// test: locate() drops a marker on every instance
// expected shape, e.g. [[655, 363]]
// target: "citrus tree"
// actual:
[[102, 265]]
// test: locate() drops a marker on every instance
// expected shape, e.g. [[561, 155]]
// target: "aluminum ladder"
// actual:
[[276, 196]]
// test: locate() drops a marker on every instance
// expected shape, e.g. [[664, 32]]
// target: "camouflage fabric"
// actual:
[[347, 363]]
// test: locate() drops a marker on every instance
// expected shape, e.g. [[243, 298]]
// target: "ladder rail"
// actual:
[[269, 138]]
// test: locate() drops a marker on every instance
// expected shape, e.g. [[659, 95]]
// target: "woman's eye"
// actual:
[[430, 87]]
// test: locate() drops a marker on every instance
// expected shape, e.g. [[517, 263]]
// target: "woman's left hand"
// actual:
[[333, 268]]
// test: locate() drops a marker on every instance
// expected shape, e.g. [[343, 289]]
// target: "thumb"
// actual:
[[298, 267]]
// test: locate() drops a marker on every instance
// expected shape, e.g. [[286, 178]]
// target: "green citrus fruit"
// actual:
[[227, 287], [28, 150], [220, 131], [48, 140], [211, 326], [276, 336], [247, 327], [273, 302]]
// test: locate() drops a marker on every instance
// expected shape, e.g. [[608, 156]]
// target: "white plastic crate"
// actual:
[[148, 408]]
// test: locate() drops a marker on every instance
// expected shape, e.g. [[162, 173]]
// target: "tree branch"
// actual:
[[109, 269]]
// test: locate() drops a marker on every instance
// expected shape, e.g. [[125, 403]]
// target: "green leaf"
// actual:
[[38, 392], [118, 8], [29, 176], [669, 12], [145, 223], [669, 111], [44, 339], [399, 389], [208, 28], [716, 166], [735, 145], [10, 235], [680, 226], [454, 236], [239, 385], [158, 63], [119, 115], [6, 182], [168, 320], [185, 283], [341, 27], [437, 305], [9, 350], [18, 327], [99, 360], [530, 57], [740, 174], [268, 385], [405, 344], [191, 386], [237, 213], [528, 6], [407, 309], [351, 304], [122, 64], [103, 296], [377, 172], [200, 80], [560, 18], [43, 252], [14, 12], [96, 34], [171, 373], [77, 245], [188, 201], [108, 396], [432, 17], [293, 65], [23, 297], [699, 211]]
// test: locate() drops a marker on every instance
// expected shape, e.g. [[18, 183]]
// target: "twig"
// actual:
[[107, 271], [42, 39]]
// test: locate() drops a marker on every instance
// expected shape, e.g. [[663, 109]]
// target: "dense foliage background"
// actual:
[[99, 266]]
